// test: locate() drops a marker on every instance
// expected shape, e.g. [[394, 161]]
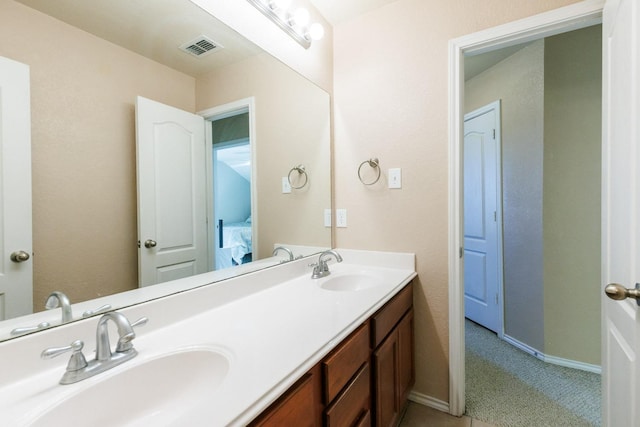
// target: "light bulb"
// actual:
[[301, 17], [316, 31]]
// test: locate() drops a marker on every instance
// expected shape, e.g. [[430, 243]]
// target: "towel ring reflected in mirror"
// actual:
[[374, 164], [301, 171]]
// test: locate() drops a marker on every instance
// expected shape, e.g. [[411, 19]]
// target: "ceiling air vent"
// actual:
[[201, 46]]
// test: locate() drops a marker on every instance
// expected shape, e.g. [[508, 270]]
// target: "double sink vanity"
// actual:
[[273, 347]]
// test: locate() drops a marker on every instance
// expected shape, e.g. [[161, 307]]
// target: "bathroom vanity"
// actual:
[[366, 377], [274, 347]]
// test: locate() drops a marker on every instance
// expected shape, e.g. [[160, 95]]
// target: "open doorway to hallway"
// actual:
[[550, 97]]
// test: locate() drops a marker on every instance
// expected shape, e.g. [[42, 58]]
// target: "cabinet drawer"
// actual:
[[298, 406], [388, 316], [353, 402], [344, 361]]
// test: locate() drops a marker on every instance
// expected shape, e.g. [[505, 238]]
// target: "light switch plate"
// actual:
[[286, 187], [395, 178], [327, 217], [341, 218]]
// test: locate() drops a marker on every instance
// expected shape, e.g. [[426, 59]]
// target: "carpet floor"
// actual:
[[508, 387]]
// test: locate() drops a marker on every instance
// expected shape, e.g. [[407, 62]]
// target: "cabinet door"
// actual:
[[406, 367], [386, 381]]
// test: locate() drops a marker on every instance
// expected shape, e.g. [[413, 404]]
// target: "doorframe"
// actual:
[[568, 18], [216, 113], [495, 106]]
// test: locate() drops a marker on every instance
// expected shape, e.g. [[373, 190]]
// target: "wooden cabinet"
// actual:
[[393, 367], [364, 381]]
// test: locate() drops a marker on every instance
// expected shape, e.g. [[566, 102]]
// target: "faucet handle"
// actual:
[[98, 310], [124, 346], [140, 322], [77, 360]]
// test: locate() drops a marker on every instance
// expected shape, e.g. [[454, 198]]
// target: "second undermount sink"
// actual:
[[158, 391], [356, 281]]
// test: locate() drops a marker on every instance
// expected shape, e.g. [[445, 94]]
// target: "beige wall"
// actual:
[[518, 81], [572, 164], [292, 126], [390, 86], [83, 92]]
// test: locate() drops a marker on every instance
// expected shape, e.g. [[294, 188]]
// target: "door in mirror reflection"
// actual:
[[16, 265], [232, 190], [171, 174]]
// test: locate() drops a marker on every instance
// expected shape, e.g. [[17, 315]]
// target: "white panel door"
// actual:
[[621, 211], [16, 276], [481, 197], [172, 229]]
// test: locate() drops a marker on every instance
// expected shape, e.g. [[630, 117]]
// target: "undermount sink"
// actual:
[[155, 392], [350, 282]]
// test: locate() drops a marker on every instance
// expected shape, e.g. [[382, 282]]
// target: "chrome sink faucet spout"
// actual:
[[287, 250], [125, 335], [58, 299], [321, 269]]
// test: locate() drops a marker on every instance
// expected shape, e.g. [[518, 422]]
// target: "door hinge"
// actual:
[[461, 251], [494, 134], [495, 216], [496, 299]]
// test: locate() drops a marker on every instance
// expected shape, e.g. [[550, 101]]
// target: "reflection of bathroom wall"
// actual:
[[83, 91], [234, 195], [292, 120]]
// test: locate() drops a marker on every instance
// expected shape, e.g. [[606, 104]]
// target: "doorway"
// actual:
[[232, 202], [552, 161], [572, 17], [232, 190]]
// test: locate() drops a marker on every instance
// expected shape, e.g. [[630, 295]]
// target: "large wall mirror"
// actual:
[[89, 61]]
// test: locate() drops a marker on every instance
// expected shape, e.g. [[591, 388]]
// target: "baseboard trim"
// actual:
[[567, 363], [429, 401], [554, 360]]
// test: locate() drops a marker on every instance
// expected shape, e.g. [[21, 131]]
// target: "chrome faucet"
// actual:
[[321, 269], [282, 248], [79, 369], [125, 336], [58, 299]]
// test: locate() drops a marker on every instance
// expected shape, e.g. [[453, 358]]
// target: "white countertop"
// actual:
[[273, 326]]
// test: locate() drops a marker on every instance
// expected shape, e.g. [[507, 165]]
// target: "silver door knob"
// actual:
[[618, 292], [19, 256], [150, 243]]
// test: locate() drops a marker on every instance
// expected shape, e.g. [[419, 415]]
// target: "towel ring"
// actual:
[[375, 164], [301, 171]]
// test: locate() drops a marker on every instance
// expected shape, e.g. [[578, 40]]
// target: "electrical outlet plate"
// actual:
[[341, 218], [327, 217]]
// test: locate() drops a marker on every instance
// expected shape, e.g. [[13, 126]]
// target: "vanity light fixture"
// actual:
[[295, 24]]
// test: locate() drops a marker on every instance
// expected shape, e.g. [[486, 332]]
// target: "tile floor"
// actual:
[[418, 415]]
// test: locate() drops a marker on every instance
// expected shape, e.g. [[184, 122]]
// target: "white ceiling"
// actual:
[[336, 11], [153, 28], [474, 65]]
